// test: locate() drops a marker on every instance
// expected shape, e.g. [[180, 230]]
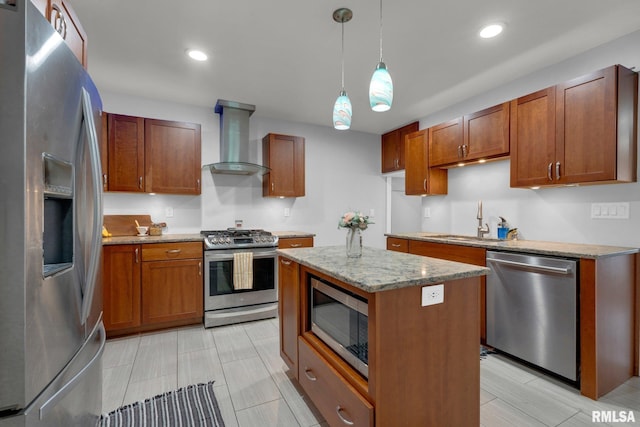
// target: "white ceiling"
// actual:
[[284, 55]]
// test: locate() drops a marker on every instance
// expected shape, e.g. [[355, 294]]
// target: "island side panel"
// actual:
[[425, 366]]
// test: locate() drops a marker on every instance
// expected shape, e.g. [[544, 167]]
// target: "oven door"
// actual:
[[219, 292]]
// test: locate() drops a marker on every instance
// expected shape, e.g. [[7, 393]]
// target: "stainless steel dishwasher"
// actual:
[[532, 310]]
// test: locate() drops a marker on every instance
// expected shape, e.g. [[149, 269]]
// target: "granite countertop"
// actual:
[[291, 234], [165, 238], [380, 270], [572, 250]]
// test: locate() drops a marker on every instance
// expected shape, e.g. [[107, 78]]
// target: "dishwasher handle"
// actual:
[[561, 270]]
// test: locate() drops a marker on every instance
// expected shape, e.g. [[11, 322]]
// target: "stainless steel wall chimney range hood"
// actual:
[[234, 140]]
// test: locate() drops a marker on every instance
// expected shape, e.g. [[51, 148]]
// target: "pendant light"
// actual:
[[381, 86], [342, 107]]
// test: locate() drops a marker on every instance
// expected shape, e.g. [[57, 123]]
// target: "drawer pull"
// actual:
[[285, 262], [136, 253], [296, 245], [339, 411], [395, 245], [308, 373], [173, 251], [200, 268]]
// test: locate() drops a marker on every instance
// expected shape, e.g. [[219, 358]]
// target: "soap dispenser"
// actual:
[[503, 229]]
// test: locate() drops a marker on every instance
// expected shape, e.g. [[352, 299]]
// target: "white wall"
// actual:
[[342, 173], [554, 214]]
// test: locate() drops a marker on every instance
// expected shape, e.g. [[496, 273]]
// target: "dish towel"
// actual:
[[243, 270]]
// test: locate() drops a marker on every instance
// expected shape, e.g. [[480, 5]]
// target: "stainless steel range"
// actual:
[[240, 277]]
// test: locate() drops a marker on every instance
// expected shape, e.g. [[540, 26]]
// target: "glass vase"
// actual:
[[354, 243]]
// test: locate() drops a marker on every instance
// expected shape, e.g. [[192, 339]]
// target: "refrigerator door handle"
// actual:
[[96, 237], [51, 403]]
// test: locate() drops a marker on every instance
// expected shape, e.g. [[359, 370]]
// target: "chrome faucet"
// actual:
[[481, 230]]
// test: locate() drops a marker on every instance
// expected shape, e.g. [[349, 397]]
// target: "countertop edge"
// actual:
[[165, 238], [570, 250]]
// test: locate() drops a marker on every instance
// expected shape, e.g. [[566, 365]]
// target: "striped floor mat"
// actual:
[[190, 406]]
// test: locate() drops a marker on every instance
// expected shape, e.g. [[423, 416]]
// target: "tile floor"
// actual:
[[253, 389]]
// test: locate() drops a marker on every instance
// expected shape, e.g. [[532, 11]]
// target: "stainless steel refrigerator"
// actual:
[[51, 331]]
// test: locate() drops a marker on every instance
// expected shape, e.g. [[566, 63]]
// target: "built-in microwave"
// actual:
[[340, 319]]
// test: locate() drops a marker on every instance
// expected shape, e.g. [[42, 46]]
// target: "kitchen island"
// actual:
[[423, 360]]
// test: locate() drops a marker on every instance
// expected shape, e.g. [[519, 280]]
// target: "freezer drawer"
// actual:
[[532, 310]]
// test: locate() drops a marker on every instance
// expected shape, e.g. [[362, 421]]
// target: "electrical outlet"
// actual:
[[427, 212], [433, 294], [168, 212], [287, 212]]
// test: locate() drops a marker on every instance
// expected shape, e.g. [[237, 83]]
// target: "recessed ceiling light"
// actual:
[[491, 31], [197, 55]]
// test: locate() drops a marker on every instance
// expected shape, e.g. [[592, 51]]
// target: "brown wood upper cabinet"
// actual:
[[393, 151], [152, 156], [420, 179], [481, 135], [284, 155], [65, 21], [578, 132]]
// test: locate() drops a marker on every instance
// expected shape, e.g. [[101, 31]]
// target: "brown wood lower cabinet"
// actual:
[[288, 311], [152, 286], [295, 242], [336, 399]]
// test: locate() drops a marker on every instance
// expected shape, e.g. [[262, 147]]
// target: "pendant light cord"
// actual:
[[380, 30], [342, 56]]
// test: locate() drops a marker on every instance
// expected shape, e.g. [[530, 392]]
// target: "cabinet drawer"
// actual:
[[343, 405], [169, 251], [295, 242], [398, 245]]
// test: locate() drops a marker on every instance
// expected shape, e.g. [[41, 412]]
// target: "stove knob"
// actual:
[[227, 240], [214, 241]]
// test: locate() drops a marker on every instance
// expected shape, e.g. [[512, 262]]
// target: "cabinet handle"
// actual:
[[285, 262], [173, 251], [200, 268], [557, 170], [464, 150], [140, 182], [459, 151], [308, 372], [424, 184], [198, 183], [549, 172], [339, 411], [395, 245], [105, 181], [58, 21], [273, 186], [136, 253], [296, 245]]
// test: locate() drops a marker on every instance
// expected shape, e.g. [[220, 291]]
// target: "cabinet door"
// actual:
[[172, 157], [104, 150], [533, 124], [445, 143], [420, 179], [121, 286], [586, 128], [288, 308], [67, 24], [486, 133], [171, 290], [390, 151], [126, 153], [284, 155], [393, 149]]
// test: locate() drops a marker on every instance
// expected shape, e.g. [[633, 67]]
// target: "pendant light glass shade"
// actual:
[[342, 112], [381, 89]]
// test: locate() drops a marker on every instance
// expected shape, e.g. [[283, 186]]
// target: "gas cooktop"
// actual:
[[233, 238]]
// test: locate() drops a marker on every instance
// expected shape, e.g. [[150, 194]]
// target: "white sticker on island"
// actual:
[[433, 294]]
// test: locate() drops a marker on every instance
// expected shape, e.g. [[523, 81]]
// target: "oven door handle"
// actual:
[[208, 256]]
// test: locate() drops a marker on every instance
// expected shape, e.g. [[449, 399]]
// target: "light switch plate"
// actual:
[[618, 210], [433, 294]]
